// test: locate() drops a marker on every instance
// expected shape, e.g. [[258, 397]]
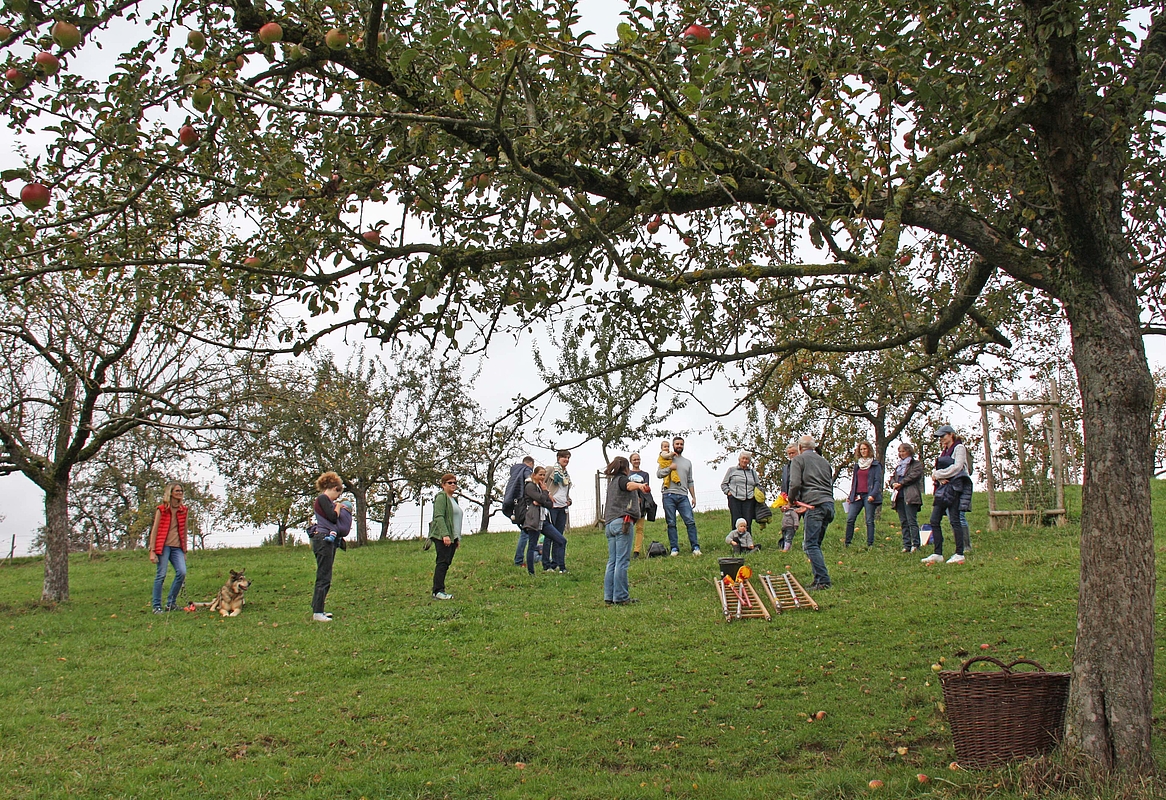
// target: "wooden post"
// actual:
[[1058, 455], [1018, 424], [12, 549], [598, 499], [422, 535], [989, 480]]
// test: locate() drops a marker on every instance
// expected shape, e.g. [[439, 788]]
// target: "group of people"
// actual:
[[537, 499]]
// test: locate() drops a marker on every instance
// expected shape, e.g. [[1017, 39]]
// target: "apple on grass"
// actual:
[[35, 196]]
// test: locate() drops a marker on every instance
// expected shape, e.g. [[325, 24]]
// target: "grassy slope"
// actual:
[[406, 697]]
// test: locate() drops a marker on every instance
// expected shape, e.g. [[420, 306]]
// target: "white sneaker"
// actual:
[[674, 553], [321, 618], [934, 558], [442, 596], [956, 559], [696, 551]]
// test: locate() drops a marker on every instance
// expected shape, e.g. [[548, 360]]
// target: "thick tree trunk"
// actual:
[[56, 588], [1110, 703]]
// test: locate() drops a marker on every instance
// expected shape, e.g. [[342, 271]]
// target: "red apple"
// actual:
[[904, 259], [66, 35], [875, 784], [689, 241], [746, 50], [539, 233], [922, 778], [769, 222], [196, 41], [820, 715], [271, 32], [697, 34], [791, 19], [35, 196], [373, 237], [188, 136], [16, 78], [48, 62], [985, 646], [336, 39], [251, 261]]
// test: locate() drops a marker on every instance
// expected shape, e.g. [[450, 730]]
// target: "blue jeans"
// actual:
[[619, 553], [554, 548], [909, 523], [521, 550], [559, 519], [868, 509], [679, 502], [175, 556], [816, 520]]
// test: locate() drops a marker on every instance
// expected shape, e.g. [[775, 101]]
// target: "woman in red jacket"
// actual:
[[168, 545]]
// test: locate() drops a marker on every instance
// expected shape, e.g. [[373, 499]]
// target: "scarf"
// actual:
[[864, 463], [901, 470]]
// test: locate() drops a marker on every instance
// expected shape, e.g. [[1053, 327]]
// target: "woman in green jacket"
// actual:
[[446, 532]]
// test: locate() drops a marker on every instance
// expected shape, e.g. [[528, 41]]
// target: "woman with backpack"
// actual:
[[952, 483]]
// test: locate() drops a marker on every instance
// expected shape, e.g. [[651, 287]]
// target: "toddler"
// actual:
[[665, 462], [740, 538]]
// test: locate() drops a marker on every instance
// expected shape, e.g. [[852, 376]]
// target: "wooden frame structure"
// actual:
[[739, 599], [786, 593], [1012, 409]]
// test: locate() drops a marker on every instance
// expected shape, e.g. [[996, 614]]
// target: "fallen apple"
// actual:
[[35, 196], [270, 33], [820, 715], [66, 35], [48, 62], [875, 784], [922, 778], [985, 646]]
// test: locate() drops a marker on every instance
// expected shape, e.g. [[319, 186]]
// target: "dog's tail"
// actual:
[[203, 605]]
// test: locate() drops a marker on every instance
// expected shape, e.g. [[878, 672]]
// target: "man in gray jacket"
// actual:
[[811, 488], [676, 498]]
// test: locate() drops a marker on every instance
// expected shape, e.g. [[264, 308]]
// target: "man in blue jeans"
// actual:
[[676, 498], [811, 488]]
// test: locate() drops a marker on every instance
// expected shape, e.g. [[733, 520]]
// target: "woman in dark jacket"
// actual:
[[537, 519], [907, 483], [866, 491], [620, 513]]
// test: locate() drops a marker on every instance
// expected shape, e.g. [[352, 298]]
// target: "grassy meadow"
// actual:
[[521, 687]]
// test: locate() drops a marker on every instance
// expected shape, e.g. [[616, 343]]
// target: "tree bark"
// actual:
[[56, 587], [361, 495], [488, 495], [1110, 703]]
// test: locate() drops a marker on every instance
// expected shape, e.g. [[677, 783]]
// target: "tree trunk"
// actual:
[[361, 520], [56, 588], [1110, 702], [487, 496]]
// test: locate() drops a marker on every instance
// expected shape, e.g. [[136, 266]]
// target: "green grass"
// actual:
[[405, 697]]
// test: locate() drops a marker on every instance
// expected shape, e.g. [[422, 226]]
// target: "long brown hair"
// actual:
[[618, 466]]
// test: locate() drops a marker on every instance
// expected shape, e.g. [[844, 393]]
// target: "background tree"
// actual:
[[113, 496], [534, 169], [601, 378], [389, 430]]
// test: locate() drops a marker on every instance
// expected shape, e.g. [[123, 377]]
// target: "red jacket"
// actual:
[[164, 528]]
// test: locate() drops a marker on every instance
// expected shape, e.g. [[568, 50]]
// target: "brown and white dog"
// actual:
[[230, 601]]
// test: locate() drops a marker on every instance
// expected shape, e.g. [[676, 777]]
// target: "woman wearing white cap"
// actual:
[[951, 481]]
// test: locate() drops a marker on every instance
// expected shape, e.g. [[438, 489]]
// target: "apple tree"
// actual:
[[452, 169]]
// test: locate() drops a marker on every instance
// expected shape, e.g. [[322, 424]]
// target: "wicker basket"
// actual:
[[1001, 716]]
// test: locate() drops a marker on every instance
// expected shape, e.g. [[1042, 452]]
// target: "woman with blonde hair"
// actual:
[[168, 545]]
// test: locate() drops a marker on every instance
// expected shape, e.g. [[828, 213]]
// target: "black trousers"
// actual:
[[742, 509], [325, 553], [444, 559]]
